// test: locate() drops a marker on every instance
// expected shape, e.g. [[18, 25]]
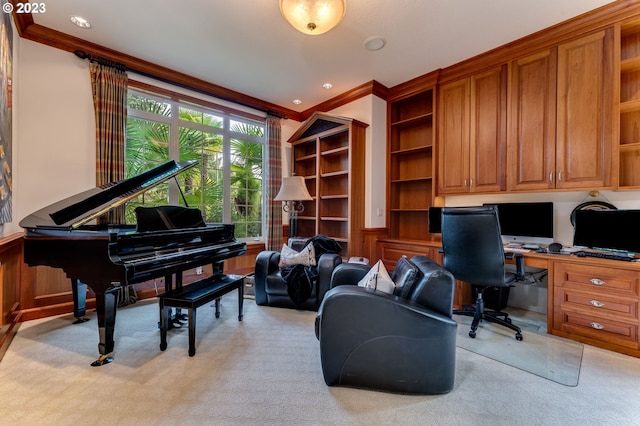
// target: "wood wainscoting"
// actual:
[[11, 272]]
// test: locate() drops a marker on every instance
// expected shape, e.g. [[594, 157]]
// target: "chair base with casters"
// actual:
[[480, 314]]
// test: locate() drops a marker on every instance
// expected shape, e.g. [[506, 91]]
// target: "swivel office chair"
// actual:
[[473, 252]]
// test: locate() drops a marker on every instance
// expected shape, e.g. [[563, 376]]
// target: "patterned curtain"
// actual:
[[274, 179], [109, 87]]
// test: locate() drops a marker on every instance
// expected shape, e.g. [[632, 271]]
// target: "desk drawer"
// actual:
[[604, 330], [596, 304], [596, 279]]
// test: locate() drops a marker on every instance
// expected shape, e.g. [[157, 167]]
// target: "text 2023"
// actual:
[[30, 8]]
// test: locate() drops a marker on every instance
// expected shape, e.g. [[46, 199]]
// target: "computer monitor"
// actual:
[[617, 230], [530, 222], [435, 220]]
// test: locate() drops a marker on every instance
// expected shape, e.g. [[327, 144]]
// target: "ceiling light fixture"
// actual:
[[80, 21], [313, 16], [327, 86], [297, 101]]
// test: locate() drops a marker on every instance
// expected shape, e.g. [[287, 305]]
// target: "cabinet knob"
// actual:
[[596, 303], [596, 325], [550, 177], [597, 281], [470, 183], [465, 183]]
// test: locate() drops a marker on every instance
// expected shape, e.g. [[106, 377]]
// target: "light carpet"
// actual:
[[538, 353], [266, 370]]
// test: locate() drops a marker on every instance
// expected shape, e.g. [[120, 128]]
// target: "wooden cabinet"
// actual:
[[560, 123], [629, 138], [585, 112], [532, 122], [472, 124], [328, 151], [410, 165], [597, 304]]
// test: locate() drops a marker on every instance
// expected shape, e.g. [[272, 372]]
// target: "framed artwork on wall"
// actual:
[[6, 75]]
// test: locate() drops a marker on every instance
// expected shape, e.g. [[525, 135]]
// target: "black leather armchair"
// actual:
[[374, 340], [271, 290]]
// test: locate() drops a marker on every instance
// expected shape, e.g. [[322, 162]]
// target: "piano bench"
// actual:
[[193, 296]]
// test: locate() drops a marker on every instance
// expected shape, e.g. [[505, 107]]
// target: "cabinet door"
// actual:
[[532, 122], [488, 131], [585, 106], [453, 138]]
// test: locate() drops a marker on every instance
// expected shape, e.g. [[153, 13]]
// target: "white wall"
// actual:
[[54, 128]]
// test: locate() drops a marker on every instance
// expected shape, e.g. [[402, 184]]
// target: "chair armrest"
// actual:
[[348, 274], [326, 265], [266, 264]]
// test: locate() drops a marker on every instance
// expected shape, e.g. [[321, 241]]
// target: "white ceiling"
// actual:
[[247, 46]]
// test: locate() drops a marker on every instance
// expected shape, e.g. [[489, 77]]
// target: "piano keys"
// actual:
[[107, 258]]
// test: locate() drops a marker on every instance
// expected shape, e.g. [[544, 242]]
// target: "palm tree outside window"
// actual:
[[227, 185]]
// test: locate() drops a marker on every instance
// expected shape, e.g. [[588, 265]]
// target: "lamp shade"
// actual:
[[313, 16], [293, 188]]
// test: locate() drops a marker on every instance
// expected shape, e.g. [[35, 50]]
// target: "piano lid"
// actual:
[[79, 209]]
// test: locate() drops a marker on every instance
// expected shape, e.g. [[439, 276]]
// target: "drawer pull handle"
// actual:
[[596, 303], [596, 325], [597, 281]]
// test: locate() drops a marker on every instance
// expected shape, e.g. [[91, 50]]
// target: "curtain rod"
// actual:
[[122, 67], [102, 61]]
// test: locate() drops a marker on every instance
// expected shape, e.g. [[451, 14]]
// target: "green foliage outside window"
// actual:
[[223, 192]]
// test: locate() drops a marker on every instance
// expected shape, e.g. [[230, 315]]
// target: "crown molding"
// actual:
[[369, 88]]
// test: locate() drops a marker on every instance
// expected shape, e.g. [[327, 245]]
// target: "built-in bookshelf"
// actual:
[[411, 167], [328, 151], [629, 142]]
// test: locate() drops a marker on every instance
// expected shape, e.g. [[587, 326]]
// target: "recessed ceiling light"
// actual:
[[327, 86], [297, 101], [80, 21], [374, 43]]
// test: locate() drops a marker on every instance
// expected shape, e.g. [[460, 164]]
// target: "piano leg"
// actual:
[[106, 305], [79, 291]]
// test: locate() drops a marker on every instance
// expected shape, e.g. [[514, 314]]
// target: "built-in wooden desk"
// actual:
[[591, 300]]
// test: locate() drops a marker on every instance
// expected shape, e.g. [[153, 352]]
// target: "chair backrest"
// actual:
[[472, 245]]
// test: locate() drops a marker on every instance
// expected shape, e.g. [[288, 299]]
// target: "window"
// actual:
[[227, 183]]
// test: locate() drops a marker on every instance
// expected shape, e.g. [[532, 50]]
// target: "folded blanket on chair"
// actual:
[[301, 280]]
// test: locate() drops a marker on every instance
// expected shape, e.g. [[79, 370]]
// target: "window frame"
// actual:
[[228, 117]]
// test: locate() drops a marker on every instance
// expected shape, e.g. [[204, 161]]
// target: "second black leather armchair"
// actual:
[[379, 341], [271, 290]]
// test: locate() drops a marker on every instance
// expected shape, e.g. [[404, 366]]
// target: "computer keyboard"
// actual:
[[516, 250], [604, 255]]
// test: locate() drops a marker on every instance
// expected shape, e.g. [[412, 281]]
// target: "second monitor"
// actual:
[[525, 222]]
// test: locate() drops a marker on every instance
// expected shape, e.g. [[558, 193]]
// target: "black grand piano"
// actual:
[[107, 258]]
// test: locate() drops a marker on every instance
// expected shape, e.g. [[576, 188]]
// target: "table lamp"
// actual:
[[293, 191]]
